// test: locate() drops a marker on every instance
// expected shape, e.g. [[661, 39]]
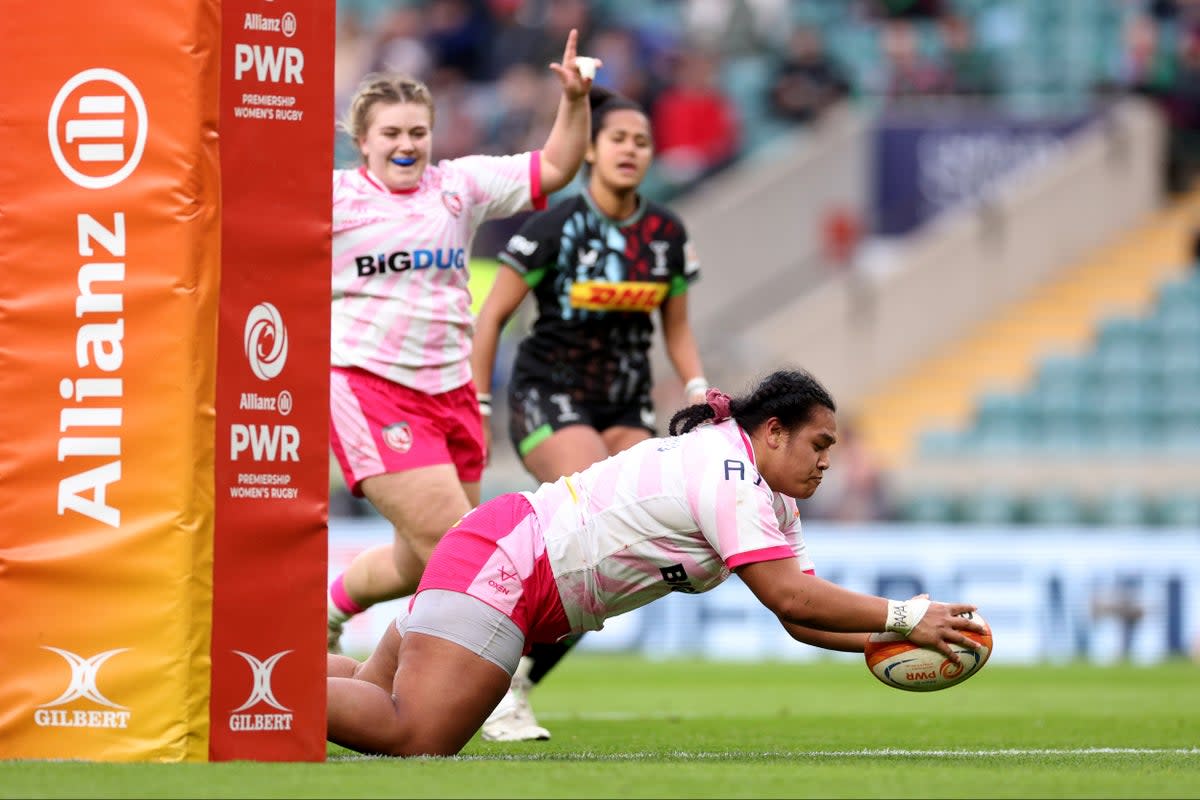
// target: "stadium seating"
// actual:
[[1135, 390], [1180, 510]]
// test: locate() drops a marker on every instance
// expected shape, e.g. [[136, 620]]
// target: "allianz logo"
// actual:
[[252, 401], [260, 22]]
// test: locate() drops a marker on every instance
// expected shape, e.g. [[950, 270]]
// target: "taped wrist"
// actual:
[[696, 387], [904, 615]]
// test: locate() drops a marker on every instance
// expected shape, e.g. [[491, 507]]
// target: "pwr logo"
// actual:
[[82, 686], [97, 128], [264, 442], [266, 341], [269, 64], [261, 692]]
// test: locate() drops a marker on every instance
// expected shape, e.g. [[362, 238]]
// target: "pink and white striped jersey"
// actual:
[[401, 306], [670, 514]]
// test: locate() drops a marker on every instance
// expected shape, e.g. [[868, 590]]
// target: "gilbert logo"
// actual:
[[97, 128], [261, 693], [266, 341], [82, 687]]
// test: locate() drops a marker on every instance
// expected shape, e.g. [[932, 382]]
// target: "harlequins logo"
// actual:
[[453, 202], [398, 436]]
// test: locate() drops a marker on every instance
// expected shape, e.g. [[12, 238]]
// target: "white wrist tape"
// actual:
[[586, 67], [695, 386], [904, 615], [485, 404]]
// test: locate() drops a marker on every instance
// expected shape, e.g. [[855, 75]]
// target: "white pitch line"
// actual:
[[534, 755], [1033, 751], [618, 716], [868, 753]]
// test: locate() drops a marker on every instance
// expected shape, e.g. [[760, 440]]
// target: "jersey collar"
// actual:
[[371, 179], [746, 444], [637, 214]]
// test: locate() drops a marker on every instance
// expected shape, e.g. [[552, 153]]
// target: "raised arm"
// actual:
[[563, 152], [808, 605]]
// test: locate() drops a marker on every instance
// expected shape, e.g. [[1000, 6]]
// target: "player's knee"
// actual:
[[425, 743]]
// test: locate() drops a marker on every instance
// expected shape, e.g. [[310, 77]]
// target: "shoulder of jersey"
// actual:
[[654, 207], [556, 213]]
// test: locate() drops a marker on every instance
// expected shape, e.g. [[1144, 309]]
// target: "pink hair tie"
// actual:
[[718, 401]]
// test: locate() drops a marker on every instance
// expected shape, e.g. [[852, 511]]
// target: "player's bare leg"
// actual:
[[566, 451], [422, 504], [623, 437], [440, 695]]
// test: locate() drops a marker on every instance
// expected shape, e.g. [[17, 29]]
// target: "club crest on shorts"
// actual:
[[453, 202], [398, 436]]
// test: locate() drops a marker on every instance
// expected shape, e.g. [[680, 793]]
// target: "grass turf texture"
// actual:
[[626, 727]]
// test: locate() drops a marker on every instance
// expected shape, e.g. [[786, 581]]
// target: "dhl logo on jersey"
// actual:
[[618, 296]]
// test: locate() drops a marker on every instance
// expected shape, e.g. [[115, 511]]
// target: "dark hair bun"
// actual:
[[598, 96]]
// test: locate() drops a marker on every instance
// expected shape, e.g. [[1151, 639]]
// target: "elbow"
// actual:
[[488, 324], [554, 178], [796, 609]]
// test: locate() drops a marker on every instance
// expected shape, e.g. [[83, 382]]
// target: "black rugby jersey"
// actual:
[[596, 281]]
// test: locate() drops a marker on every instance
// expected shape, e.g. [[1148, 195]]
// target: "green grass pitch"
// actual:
[[628, 728]]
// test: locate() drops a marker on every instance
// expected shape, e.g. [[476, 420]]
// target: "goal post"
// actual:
[[164, 341]]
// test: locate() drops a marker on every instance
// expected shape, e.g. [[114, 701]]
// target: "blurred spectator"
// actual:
[[1143, 64], [807, 81], [626, 71], [458, 128], [459, 33], [521, 119], [352, 56], [842, 232], [1166, 10], [969, 68], [1183, 113], [516, 38], [400, 46], [1161, 61], [696, 129], [736, 27], [559, 18], [908, 9], [909, 72]]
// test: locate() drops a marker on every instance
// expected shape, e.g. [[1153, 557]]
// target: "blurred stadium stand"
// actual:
[[1027, 354], [1082, 403]]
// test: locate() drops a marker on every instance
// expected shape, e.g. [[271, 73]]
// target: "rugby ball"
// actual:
[[899, 663]]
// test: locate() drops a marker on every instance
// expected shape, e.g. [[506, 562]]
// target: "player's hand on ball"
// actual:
[[905, 663], [944, 627]]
